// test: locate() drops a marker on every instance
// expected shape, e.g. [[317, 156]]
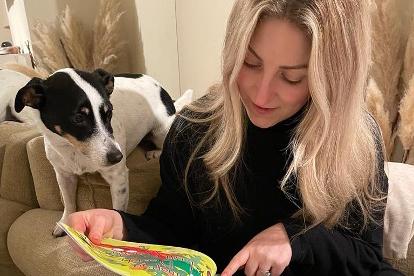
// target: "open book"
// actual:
[[128, 258]]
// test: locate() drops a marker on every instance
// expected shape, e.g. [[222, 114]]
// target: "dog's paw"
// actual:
[[153, 154], [58, 232]]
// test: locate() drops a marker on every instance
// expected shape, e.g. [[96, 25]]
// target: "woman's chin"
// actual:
[[262, 122]]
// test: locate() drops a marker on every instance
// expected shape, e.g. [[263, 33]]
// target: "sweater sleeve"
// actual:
[[339, 251], [169, 219]]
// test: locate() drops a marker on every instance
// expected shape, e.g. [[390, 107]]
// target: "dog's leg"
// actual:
[[117, 178], [158, 135], [152, 154], [68, 186]]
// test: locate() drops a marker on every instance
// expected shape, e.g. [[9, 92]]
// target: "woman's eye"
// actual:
[[292, 82], [250, 65]]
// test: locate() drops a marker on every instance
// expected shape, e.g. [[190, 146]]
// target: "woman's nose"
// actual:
[[264, 92]]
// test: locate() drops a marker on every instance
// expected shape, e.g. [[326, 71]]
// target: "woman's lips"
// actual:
[[262, 110]]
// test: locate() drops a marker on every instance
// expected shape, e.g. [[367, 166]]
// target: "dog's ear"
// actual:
[[32, 94], [107, 79]]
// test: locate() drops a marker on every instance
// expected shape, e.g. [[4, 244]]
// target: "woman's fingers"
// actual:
[[78, 221], [251, 268], [238, 261], [117, 226], [96, 224], [97, 229]]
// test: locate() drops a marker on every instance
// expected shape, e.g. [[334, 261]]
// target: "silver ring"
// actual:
[[267, 273]]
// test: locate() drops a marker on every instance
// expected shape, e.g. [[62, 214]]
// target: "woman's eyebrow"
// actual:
[[286, 67]]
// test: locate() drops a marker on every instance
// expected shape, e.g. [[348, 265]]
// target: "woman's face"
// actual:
[[273, 81]]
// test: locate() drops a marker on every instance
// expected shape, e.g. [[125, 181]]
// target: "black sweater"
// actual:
[[172, 219]]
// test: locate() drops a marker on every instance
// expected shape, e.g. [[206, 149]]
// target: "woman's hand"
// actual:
[[268, 251], [96, 224]]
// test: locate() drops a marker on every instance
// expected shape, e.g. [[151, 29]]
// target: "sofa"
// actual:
[[30, 205]]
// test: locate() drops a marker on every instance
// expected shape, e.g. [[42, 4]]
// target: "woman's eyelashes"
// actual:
[[252, 65], [291, 81], [258, 66]]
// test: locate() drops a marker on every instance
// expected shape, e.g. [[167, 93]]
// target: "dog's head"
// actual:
[[75, 105]]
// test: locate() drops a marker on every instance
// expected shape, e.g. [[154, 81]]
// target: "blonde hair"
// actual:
[[335, 160]]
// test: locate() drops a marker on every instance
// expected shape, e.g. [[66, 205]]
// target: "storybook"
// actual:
[[129, 258]]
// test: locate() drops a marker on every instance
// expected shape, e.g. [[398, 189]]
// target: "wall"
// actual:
[[178, 42], [5, 34], [201, 28], [157, 27]]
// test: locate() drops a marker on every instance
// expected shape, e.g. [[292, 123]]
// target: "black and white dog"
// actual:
[[92, 121]]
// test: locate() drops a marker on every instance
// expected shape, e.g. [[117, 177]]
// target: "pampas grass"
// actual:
[[25, 70], [76, 41], [68, 44], [107, 43], [406, 109], [406, 131], [409, 58], [375, 104], [48, 47], [406, 122], [388, 52]]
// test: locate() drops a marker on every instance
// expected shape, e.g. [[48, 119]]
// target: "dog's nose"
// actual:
[[114, 157]]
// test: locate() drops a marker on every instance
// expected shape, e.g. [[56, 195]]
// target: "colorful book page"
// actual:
[[128, 258]]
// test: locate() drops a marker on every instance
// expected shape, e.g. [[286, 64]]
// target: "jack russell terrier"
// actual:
[[92, 121]]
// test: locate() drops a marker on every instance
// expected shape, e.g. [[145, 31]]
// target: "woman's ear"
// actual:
[[107, 79], [32, 94]]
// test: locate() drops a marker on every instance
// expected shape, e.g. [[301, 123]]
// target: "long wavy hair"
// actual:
[[334, 148]]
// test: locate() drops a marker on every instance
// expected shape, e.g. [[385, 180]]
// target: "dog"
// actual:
[[91, 121]]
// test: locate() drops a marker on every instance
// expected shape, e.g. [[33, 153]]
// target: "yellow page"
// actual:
[[128, 258]]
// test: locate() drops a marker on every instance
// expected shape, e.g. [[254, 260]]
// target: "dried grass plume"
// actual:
[[107, 44], [388, 53], [67, 43], [375, 104], [406, 124], [48, 48], [76, 41], [25, 70]]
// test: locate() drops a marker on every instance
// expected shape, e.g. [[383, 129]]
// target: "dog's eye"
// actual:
[[79, 118]]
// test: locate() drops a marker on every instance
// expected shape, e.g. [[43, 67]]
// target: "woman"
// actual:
[[279, 169]]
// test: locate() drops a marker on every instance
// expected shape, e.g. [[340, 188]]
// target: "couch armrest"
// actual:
[[16, 181], [9, 212]]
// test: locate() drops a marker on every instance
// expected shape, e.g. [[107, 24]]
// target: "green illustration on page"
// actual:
[[128, 258]]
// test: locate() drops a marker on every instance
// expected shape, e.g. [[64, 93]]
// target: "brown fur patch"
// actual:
[[82, 147], [30, 97]]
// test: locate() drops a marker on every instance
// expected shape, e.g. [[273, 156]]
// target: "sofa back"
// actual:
[[16, 181]]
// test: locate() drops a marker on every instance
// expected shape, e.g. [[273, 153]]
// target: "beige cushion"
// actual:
[[399, 213], [37, 253], [9, 212], [16, 180], [93, 191]]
